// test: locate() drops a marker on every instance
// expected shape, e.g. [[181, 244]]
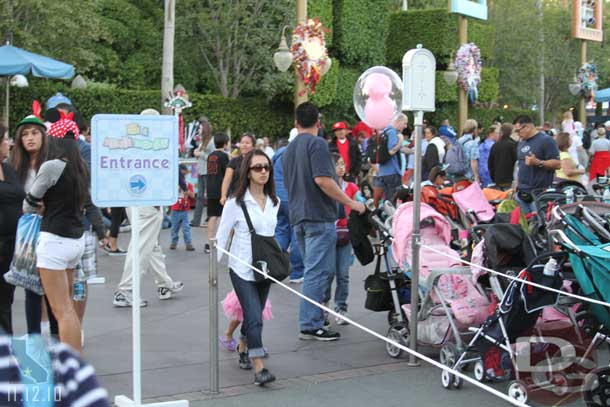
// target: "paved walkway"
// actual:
[[353, 371]]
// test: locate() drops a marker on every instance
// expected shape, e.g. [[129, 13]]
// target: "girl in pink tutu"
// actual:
[[233, 311]]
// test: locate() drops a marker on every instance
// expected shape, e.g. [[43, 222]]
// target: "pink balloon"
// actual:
[[379, 113], [377, 85]]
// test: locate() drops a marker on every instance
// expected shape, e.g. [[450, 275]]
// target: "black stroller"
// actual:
[[515, 316]]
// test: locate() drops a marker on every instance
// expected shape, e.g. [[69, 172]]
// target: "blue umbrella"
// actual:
[[15, 61]]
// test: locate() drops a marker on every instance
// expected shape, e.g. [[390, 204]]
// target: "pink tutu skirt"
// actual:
[[233, 311]]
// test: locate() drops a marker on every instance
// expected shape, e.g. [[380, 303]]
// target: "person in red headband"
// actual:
[[346, 146]]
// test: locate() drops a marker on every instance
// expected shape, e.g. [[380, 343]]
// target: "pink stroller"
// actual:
[[450, 301]]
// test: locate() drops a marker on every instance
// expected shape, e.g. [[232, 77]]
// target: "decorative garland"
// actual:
[[587, 79], [468, 66], [309, 52]]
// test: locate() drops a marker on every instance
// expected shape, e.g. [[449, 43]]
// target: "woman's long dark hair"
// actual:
[[244, 181], [76, 171], [20, 159]]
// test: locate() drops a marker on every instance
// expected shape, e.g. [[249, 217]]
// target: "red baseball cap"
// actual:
[[340, 126]]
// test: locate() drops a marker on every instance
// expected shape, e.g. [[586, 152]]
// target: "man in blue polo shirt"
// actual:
[[538, 158]]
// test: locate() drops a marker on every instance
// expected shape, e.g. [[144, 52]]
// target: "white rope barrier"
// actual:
[[383, 338], [564, 293]]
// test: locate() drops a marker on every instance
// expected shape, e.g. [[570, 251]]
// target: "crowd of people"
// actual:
[[302, 194]]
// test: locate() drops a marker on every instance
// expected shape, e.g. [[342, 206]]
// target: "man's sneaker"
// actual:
[[296, 280], [263, 377], [173, 246], [206, 248], [124, 299], [320, 335], [341, 321], [195, 225], [244, 361], [190, 248], [165, 293], [115, 252]]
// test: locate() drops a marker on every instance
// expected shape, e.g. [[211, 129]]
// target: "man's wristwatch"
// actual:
[[540, 164]]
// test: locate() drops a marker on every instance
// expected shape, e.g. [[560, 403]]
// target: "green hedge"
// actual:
[[326, 90], [238, 115], [323, 9], [436, 30], [484, 116], [360, 28]]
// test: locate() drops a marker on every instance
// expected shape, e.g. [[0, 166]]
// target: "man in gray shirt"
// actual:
[[313, 194]]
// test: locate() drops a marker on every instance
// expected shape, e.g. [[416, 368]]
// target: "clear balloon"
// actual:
[[378, 97]]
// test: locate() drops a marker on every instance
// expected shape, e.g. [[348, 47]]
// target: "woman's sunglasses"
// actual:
[[260, 168]]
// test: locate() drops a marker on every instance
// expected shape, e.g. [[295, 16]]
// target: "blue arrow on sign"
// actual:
[[137, 184]]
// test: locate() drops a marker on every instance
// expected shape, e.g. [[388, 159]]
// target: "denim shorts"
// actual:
[[55, 252]]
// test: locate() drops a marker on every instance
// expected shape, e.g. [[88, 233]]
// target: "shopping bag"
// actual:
[[23, 271]]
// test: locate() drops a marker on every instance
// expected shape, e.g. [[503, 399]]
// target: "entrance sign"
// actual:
[[134, 160], [471, 8]]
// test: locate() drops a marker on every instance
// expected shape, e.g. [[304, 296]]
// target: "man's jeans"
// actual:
[[252, 297], [317, 241], [390, 183], [201, 181], [284, 234], [180, 219], [344, 260]]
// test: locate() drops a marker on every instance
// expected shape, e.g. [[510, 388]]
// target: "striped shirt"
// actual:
[[75, 384]]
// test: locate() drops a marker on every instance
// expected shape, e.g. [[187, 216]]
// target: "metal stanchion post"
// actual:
[[419, 121], [213, 283]]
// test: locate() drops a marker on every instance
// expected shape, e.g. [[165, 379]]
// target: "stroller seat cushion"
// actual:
[[470, 311]]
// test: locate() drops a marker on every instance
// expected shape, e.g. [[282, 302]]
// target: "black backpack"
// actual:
[[377, 149]]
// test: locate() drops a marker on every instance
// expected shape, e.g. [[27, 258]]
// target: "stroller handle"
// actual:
[[560, 237]]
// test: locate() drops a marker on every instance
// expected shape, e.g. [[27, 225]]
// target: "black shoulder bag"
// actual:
[[267, 255]]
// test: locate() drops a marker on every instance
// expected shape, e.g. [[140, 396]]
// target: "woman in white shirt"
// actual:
[[257, 190]]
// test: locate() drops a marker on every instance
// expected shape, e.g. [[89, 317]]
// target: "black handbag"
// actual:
[[267, 255]]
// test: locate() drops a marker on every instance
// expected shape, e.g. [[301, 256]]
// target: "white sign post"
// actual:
[[135, 163], [418, 78]]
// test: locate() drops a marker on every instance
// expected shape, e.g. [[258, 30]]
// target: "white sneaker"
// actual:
[[165, 293], [341, 321], [123, 299], [296, 280]]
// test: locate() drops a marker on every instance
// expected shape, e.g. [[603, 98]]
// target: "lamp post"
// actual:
[[300, 93], [19, 81], [450, 75], [283, 57]]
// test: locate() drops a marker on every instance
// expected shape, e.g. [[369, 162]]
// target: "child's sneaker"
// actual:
[[341, 321], [206, 248]]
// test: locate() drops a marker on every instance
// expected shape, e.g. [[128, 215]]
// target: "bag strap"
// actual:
[[247, 216]]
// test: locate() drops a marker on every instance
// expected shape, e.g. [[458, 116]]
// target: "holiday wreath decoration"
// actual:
[[309, 52], [587, 79], [468, 66]]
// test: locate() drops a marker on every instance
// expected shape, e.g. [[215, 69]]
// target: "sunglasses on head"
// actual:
[[260, 168]]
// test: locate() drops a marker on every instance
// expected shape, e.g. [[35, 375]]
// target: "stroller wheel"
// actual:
[[446, 379], [479, 371], [517, 391], [448, 354], [394, 318], [398, 334], [596, 392]]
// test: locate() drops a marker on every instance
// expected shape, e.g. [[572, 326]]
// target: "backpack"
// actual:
[[456, 159], [377, 149]]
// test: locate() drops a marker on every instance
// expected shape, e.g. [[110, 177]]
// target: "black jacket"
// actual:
[[355, 155], [11, 200], [501, 161]]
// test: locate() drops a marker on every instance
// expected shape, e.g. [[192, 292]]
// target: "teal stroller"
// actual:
[[590, 261]]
